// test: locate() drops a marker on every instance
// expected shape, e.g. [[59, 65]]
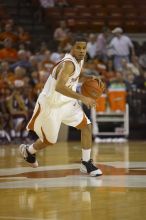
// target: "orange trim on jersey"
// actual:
[[62, 61], [55, 66], [83, 123], [66, 59], [32, 121], [45, 139]]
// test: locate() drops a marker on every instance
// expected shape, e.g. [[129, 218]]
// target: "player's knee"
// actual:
[[83, 124], [87, 129]]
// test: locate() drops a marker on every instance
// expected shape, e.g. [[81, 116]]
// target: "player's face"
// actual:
[[79, 50]]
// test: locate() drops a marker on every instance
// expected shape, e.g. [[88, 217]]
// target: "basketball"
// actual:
[[92, 88]]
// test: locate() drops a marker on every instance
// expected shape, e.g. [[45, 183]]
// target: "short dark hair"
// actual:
[[79, 38]]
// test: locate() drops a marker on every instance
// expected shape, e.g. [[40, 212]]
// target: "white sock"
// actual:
[[31, 149], [86, 154]]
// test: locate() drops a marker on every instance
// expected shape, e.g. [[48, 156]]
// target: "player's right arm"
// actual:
[[63, 75]]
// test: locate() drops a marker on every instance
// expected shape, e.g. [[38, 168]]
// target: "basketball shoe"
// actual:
[[30, 158], [88, 167]]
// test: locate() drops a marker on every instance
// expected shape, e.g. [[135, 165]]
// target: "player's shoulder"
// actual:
[[68, 63]]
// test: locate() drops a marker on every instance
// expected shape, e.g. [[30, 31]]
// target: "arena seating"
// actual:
[[91, 15]]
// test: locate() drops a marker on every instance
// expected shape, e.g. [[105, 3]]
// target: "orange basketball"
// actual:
[[92, 88]]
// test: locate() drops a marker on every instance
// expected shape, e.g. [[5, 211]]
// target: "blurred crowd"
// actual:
[[25, 67]]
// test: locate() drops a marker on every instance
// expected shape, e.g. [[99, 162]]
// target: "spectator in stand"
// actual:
[[61, 3], [5, 72], [12, 23], [36, 84], [140, 81], [121, 46], [8, 33], [45, 68], [130, 84], [90, 68], [66, 45], [47, 64], [8, 53], [22, 61], [23, 36], [56, 56], [102, 42], [106, 71], [34, 63], [40, 54], [117, 82], [47, 3], [92, 46], [135, 66], [142, 61], [19, 74], [61, 33], [17, 109], [130, 67], [29, 99], [5, 117], [26, 47]]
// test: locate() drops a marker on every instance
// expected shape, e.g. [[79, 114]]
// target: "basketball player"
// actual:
[[58, 103]]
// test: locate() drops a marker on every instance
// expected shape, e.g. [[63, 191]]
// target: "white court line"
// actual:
[[19, 218], [13, 178], [78, 181], [19, 170], [116, 164]]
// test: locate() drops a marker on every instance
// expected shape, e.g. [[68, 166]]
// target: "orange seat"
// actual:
[[77, 3], [131, 15], [115, 15], [112, 7], [83, 13], [118, 22], [95, 6], [81, 25], [96, 25], [131, 26], [114, 10], [110, 2], [69, 13], [142, 24], [54, 13]]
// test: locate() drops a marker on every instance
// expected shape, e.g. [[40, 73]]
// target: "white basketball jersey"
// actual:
[[49, 87]]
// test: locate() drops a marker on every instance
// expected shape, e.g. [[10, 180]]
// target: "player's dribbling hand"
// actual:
[[89, 102]]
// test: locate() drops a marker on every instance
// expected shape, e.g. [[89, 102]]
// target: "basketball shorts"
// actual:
[[46, 119]]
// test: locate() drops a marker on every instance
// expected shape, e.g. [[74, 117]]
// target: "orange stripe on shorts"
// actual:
[[82, 124], [45, 139], [32, 121]]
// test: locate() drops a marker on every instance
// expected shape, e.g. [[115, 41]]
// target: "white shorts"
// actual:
[[46, 119]]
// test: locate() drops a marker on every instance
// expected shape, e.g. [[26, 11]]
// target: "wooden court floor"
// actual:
[[56, 190]]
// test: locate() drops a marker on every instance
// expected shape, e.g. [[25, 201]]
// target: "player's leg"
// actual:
[[28, 152], [76, 118], [87, 165], [46, 126]]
